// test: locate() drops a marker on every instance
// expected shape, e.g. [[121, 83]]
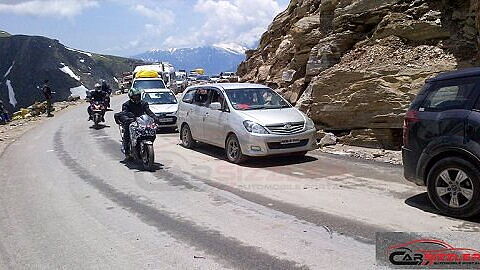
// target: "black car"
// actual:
[[441, 139]]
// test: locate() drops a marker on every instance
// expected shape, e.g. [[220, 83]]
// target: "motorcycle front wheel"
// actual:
[[148, 157], [96, 121]]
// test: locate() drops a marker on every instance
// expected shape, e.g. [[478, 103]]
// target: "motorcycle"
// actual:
[[143, 132], [98, 112]]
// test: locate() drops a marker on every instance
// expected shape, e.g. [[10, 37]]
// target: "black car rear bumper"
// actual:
[[410, 162]]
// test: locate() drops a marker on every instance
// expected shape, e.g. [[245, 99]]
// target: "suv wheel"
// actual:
[[233, 150], [186, 137], [454, 187]]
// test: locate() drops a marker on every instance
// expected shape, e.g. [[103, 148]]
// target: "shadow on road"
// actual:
[[422, 202], [137, 165], [167, 131], [99, 127], [255, 162]]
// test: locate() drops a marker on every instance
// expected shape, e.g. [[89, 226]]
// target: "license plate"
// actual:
[[291, 141], [165, 120]]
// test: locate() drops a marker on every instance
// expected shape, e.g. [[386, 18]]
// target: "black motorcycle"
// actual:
[[98, 112], [143, 132]]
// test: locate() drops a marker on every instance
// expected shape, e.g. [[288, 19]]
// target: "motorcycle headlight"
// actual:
[[254, 128], [309, 124]]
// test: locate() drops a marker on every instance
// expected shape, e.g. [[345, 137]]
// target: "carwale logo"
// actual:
[[424, 253]]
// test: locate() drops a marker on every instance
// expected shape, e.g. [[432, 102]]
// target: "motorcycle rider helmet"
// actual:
[[135, 95], [98, 86]]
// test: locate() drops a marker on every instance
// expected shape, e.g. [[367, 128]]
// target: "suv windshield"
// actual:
[[160, 98], [256, 99], [148, 84]]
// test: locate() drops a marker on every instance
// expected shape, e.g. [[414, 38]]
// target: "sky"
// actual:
[[128, 27]]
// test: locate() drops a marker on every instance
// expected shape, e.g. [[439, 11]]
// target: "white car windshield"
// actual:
[[160, 98], [256, 99], [148, 84]]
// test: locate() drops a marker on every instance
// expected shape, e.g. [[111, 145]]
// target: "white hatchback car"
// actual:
[[162, 102], [245, 120]]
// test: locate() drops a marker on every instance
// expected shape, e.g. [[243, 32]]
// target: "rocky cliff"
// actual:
[[354, 65], [25, 61]]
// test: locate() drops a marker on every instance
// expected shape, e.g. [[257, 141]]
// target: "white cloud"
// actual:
[[229, 21], [161, 15], [62, 8]]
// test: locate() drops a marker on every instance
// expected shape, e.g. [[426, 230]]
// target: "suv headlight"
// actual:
[[309, 124], [254, 128]]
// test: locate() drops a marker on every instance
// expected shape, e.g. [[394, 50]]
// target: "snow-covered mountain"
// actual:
[[25, 61], [214, 59]]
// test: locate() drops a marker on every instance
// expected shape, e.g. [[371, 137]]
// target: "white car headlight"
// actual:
[[309, 124], [254, 128]]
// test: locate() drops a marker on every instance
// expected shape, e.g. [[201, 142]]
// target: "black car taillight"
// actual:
[[410, 117]]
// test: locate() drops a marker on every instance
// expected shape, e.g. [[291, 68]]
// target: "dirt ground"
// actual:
[[13, 130]]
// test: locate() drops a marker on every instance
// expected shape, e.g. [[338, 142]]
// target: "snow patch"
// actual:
[[115, 79], [78, 51], [80, 91], [11, 94], [8, 71], [68, 71], [82, 60], [231, 47]]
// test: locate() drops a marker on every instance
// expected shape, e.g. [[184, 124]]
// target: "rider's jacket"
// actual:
[[97, 95], [138, 109]]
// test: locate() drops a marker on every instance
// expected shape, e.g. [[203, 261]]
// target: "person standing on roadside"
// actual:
[[4, 117], [47, 93]]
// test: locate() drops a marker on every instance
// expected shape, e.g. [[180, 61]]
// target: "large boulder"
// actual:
[[354, 65]]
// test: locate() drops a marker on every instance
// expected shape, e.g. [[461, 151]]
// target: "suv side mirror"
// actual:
[[216, 106]]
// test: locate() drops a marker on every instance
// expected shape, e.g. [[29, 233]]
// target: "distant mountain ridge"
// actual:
[[25, 61], [214, 59]]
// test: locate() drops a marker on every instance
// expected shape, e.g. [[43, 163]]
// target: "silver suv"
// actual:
[[244, 119]]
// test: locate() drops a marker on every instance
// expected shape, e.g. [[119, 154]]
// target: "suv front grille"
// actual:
[[286, 128]]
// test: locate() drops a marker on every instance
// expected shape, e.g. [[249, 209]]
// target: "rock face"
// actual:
[[354, 65], [25, 61]]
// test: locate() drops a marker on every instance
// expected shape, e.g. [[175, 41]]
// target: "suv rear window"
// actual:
[[449, 96]]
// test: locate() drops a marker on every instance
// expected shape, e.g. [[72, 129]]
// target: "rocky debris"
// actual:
[[380, 155], [328, 139], [355, 65], [40, 108], [72, 98]]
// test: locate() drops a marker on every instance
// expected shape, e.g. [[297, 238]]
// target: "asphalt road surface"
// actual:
[[68, 201]]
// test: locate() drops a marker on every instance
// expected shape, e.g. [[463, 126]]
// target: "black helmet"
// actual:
[[135, 95]]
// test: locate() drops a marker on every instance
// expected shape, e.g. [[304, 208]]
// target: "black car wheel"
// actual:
[[454, 187], [234, 151], [186, 137]]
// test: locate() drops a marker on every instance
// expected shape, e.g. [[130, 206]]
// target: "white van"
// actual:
[[244, 119]]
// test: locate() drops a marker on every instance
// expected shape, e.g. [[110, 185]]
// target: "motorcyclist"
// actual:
[[133, 108], [106, 88], [96, 95]]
